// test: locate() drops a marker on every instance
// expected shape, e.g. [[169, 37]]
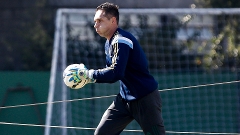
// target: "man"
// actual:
[[126, 62]]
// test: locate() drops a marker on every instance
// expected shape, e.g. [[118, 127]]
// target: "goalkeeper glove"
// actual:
[[84, 72], [88, 75]]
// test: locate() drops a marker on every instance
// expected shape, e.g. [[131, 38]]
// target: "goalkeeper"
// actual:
[[126, 62]]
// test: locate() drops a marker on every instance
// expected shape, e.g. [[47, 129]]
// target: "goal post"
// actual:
[[185, 47]]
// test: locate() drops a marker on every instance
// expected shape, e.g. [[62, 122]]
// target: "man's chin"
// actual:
[[100, 34]]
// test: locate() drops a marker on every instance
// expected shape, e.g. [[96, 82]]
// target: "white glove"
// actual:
[[83, 72], [87, 74]]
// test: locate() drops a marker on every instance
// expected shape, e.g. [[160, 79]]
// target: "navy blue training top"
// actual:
[[126, 63]]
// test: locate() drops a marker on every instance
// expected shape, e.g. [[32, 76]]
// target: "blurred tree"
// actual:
[[26, 41], [218, 3], [225, 51]]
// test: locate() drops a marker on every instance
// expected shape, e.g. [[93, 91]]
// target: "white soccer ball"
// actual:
[[67, 77]]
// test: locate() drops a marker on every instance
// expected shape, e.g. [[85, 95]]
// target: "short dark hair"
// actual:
[[111, 10]]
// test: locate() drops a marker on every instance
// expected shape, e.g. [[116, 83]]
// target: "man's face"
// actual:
[[102, 24]]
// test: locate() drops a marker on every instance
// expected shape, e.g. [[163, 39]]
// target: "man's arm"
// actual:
[[116, 70]]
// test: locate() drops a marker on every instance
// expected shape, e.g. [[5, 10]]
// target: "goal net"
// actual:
[[192, 53]]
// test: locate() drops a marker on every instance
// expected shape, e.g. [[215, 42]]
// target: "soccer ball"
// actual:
[[67, 77]]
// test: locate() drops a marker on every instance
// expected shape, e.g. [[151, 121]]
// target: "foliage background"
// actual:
[[27, 32], [26, 35]]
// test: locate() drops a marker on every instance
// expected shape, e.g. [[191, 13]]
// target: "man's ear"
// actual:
[[113, 20]]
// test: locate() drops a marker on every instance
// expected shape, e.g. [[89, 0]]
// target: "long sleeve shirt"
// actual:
[[126, 63]]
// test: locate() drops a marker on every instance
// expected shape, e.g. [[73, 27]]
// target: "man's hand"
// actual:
[[87, 74], [82, 72]]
